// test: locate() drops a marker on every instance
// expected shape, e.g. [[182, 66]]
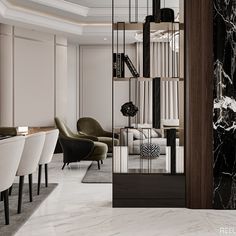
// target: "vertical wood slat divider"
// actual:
[[199, 103]]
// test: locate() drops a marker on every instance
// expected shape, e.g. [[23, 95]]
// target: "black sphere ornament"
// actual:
[[129, 109]]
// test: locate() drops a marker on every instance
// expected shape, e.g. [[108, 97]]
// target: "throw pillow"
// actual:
[[151, 133], [138, 135]]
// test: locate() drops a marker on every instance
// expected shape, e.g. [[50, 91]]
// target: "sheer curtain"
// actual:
[[164, 63]]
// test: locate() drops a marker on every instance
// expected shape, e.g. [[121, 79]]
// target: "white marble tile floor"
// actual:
[[77, 209]]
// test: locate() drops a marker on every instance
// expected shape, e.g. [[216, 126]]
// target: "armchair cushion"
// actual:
[[90, 127], [108, 142], [99, 152]]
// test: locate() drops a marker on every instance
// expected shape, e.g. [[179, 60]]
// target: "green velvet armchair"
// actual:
[[90, 126], [79, 147]]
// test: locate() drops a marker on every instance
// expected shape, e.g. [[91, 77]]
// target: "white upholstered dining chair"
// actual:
[[46, 155], [29, 161], [10, 156]]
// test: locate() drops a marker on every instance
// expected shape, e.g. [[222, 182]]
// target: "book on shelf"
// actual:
[[131, 66], [179, 161], [168, 162], [118, 65], [114, 65], [120, 159]]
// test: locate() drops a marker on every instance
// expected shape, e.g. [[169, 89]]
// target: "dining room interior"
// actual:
[[117, 117]]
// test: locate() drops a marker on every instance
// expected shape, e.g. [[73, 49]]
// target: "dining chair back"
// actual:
[[29, 162], [31, 154], [10, 154], [46, 155], [49, 146]]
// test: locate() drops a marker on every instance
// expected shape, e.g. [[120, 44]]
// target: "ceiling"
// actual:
[[82, 21]]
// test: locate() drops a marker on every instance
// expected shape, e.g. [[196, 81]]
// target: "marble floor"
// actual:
[[77, 209]]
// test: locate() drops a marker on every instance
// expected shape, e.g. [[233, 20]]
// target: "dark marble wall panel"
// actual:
[[224, 104]]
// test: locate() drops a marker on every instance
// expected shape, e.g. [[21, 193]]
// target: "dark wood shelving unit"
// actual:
[[136, 188], [148, 190]]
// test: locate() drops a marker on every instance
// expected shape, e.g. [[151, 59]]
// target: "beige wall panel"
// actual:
[[61, 81], [6, 75], [72, 86], [33, 82]]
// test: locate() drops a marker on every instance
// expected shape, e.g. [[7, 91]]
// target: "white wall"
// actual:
[[33, 77], [96, 85]]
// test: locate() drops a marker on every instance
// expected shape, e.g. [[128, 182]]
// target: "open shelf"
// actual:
[[176, 26], [145, 171], [147, 79]]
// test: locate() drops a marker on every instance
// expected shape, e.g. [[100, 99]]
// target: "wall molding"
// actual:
[[9, 12], [64, 6]]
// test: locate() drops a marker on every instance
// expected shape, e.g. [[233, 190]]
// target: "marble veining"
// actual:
[[224, 115], [81, 209]]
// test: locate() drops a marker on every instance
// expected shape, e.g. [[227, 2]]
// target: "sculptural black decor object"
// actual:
[[130, 110]]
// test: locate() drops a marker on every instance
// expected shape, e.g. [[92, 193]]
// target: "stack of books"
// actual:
[[131, 67], [118, 65]]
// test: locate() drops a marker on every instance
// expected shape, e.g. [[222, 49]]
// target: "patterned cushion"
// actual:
[[137, 134], [149, 150], [151, 133]]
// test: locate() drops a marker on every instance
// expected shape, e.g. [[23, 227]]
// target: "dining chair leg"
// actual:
[[20, 194], [1, 198], [6, 206], [30, 188], [98, 165], [46, 175], [10, 190], [102, 162], [39, 178]]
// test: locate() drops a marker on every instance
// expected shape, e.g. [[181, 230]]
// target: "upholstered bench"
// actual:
[[149, 150]]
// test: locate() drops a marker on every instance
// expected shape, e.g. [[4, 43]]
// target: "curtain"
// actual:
[[164, 63]]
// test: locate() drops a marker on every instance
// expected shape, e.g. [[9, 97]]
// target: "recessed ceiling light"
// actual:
[[105, 39]]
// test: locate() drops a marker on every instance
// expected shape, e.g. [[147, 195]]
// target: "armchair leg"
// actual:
[[6, 206], [63, 166], [99, 165]]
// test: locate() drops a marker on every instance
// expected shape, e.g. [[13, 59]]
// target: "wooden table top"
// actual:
[[33, 130]]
